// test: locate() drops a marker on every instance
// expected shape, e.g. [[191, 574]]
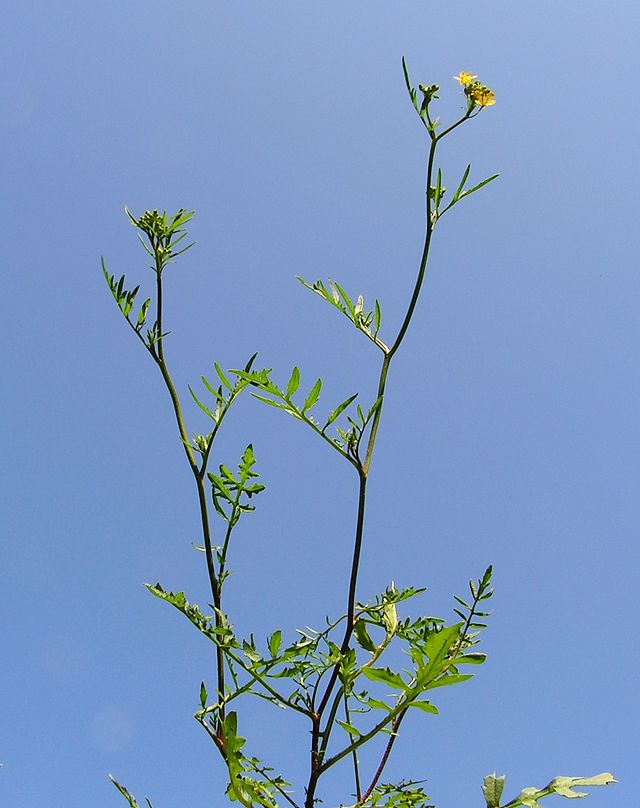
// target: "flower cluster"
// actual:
[[477, 93]]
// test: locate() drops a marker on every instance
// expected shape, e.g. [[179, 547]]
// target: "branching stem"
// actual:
[[317, 751], [197, 473]]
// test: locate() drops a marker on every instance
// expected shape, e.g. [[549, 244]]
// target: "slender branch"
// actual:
[[205, 457], [382, 383], [263, 772], [227, 536], [354, 754], [425, 253], [455, 125], [385, 757], [329, 724], [318, 767], [278, 696], [175, 399], [141, 338]]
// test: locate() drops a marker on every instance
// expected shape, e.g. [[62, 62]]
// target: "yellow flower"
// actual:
[[465, 78], [482, 96]]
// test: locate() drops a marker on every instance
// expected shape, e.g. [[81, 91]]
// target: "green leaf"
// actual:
[[233, 743], [278, 404], [436, 649], [529, 797], [479, 185], [222, 376], [204, 409], [294, 382], [492, 788], [465, 176], [127, 304], [386, 676], [362, 636], [377, 317], [274, 642], [410, 89], [203, 695], [339, 410], [438, 191], [346, 298], [313, 396], [564, 785], [348, 727], [449, 679], [142, 316], [471, 659], [250, 652], [129, 797], [221, 634], [376, 704], [425, 706]]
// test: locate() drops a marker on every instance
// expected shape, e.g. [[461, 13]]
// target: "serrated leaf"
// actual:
[[436, 648], [386, 676], [492, 788]]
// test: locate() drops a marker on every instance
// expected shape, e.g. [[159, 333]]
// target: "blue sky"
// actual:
[[511, 429]]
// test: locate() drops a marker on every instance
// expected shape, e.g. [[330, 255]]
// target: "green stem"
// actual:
[[382, 383], [227, 536], [316, 753], [385, 757], [199, 478], [317, 766], [354, 754], [277, 696]]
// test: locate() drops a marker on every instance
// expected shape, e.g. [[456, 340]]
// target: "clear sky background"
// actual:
[[512, 425]]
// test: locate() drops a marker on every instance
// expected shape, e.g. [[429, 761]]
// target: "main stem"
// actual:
[[317, 732], [198, 474]]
